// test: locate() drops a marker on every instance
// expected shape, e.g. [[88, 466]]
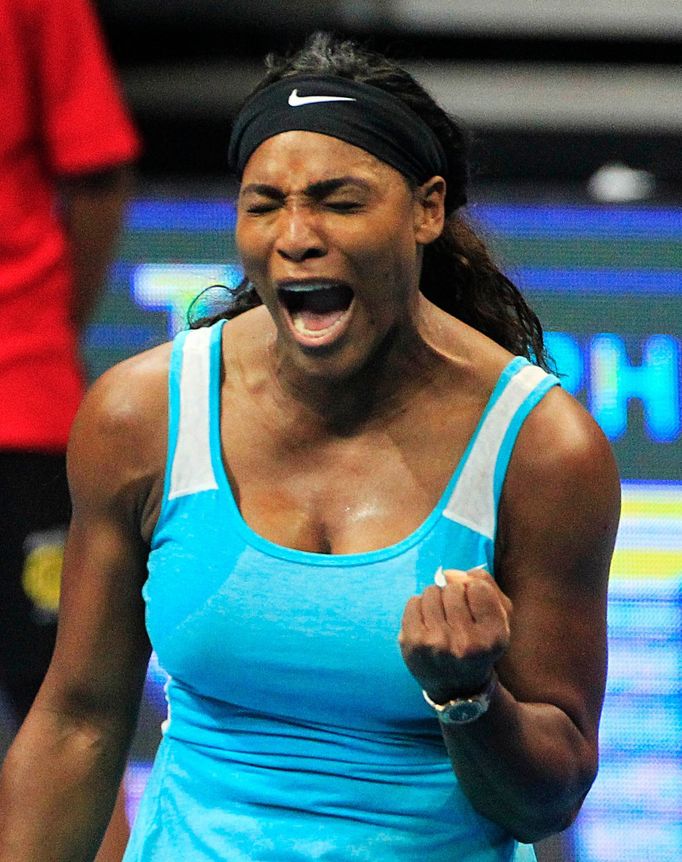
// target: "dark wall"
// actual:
[[217, 48]]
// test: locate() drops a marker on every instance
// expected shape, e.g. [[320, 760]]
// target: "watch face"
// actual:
[[462, 712]]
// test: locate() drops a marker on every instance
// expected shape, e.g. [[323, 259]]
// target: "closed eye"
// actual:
[[256, 209], [344, 206]]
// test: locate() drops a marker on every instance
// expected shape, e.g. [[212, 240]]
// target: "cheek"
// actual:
[[391, 261], [372, 249], [252, 249]]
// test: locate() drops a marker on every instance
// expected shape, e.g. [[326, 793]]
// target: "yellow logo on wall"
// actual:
[[41, 578]]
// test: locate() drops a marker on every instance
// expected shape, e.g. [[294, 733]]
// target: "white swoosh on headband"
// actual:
[[296, 101]]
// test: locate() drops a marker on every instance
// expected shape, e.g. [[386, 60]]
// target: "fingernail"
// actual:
[[451, 575], [441, 578]]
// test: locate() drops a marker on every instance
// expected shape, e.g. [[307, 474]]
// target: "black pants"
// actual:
[[34, 513]]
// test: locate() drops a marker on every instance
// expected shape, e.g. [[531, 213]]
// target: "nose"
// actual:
[[299, 238]]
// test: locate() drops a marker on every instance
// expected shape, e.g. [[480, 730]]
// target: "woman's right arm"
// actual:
[[61, 775]]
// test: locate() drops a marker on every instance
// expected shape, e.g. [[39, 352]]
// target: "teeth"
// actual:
[[299, 325]]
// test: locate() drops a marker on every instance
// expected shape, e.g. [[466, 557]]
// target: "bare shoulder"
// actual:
[[562, 484], [126, 399], [559, 440], [118, 442]]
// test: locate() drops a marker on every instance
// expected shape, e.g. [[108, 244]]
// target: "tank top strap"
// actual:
[[475, 498], [194, 393]]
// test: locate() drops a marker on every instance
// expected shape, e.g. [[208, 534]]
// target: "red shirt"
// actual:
[[62, 115]]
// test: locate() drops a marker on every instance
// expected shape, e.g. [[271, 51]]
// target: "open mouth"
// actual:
[[316, 308]]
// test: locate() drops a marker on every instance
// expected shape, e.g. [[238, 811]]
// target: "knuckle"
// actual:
[[480, 647], [431, 647], [435, 643], [481, 588], [471, 652]]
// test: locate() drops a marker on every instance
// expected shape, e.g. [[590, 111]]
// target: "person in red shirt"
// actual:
[[65, 149]]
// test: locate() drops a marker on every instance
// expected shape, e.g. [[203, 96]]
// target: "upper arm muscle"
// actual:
[[102, 647], [558, 521]]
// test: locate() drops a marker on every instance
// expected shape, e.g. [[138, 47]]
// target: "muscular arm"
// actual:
[[93, 209], [60, 778], [529, 761]]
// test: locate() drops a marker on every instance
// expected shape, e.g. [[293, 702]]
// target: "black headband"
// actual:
[[358, 113]]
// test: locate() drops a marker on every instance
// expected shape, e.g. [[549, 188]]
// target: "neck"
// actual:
[[406, 360]]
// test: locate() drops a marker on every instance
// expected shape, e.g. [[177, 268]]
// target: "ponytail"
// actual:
[[460, 277]]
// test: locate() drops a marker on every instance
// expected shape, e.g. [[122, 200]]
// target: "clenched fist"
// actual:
[[451, 636]]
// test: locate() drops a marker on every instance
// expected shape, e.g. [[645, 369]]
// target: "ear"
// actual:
[[429, 210]]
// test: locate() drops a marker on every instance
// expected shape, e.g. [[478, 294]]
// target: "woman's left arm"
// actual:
[[528, 762]]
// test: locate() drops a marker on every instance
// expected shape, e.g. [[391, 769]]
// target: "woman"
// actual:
[[365, 491]]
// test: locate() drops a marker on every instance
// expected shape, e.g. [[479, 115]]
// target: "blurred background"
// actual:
[[575, 111]]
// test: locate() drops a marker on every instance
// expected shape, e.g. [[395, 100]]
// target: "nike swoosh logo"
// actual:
[[296, 101]]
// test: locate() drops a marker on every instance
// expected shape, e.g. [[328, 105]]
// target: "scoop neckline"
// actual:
[[318, 558]]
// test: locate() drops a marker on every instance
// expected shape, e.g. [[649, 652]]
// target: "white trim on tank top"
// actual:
[[192, 469], [472, 503]]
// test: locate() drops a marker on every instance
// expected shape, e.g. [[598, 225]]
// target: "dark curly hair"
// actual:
[[458, 273]]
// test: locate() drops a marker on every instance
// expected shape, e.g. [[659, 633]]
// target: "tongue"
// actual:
[[315, 321]]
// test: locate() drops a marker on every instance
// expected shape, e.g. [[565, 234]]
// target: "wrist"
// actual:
[[464, 708], [444, 693]]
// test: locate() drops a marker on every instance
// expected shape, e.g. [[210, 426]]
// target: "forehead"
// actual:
[[305, 157]]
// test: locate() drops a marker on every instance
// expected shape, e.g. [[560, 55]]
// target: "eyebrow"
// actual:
[[314, 190]]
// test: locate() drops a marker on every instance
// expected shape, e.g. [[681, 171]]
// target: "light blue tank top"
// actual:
[[294, 730]]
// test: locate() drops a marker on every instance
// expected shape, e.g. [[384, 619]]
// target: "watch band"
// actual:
[[463, 710]]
